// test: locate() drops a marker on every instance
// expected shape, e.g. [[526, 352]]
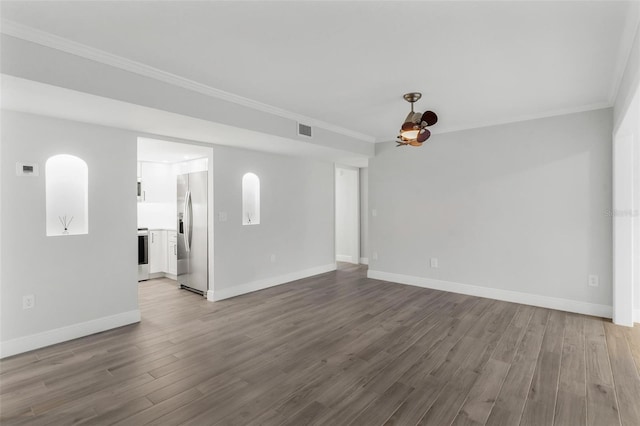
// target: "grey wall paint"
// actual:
[[364, 212], [74, 278], [296, 216], [521, 207]]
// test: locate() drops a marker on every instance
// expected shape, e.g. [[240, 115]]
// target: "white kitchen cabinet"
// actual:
[[157, 251], [172, 253], [158, 183]]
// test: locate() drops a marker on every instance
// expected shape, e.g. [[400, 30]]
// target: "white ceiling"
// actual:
[[348, 63]]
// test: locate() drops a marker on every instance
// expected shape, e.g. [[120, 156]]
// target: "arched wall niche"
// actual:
[[250, 199], [67, 199]]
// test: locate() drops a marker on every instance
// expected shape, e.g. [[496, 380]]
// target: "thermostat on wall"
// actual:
[[26, 169]]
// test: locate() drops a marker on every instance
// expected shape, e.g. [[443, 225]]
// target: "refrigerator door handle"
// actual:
[[190, 228], [187, 221]]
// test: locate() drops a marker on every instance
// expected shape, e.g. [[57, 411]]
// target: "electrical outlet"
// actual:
[[273, 258], [222, 216], [28, 301], [434, 262], [593, 281], [374, 212], [375, 255]]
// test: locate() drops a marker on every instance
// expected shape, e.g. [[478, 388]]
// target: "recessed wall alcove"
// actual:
[[66, 181], [250, 199]]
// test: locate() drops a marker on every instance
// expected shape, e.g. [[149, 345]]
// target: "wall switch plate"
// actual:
[[434, 262], [374, 212], [375, 255], [594, 281], [28, 301], [273, 258], [222, 216]]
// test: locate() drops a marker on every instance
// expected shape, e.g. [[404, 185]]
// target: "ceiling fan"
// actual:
[[414, 129]]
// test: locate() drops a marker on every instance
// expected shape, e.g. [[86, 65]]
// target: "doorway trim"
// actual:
[[626, 215]]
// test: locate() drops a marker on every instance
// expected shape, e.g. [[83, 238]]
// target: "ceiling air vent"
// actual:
[[304, 130]]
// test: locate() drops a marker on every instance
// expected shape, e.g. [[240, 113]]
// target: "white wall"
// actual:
[[518, 208], [364, 215], [82, 283], [347, 214], [296, 224]]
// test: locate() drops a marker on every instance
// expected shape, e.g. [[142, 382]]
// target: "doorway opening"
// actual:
[[347, 208], [175, 214]]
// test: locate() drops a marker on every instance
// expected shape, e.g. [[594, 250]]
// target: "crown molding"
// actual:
[[526, 117], [43, 38]]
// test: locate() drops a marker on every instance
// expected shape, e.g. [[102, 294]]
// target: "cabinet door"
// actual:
[[157, 251], [172, 254], [158, 183]]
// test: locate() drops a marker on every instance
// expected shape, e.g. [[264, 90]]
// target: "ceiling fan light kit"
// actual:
[[414, 129]]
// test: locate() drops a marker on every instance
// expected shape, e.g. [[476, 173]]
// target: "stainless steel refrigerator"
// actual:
[[193, 248]]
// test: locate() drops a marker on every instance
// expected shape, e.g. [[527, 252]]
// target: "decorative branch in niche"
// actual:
[[65, 223]]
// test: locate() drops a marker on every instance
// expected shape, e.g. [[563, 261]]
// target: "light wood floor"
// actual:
[[334, 349]]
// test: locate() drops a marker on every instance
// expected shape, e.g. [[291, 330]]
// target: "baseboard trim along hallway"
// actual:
[[70, 332], [227, 293], [586, 308]]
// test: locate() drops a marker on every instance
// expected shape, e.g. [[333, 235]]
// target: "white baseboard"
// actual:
[[162, 275], [364, 260], [567, 305], [636, 316], [70, 332], [216, 295], [344, 258]]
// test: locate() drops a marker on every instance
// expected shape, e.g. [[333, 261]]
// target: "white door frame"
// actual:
[[623, 235], [626, 214]]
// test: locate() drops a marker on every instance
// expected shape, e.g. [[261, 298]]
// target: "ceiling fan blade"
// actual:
[[423, 135], [415, 143], [430, 118]]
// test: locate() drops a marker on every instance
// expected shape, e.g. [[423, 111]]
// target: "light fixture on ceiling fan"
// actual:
[[414, 129]]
